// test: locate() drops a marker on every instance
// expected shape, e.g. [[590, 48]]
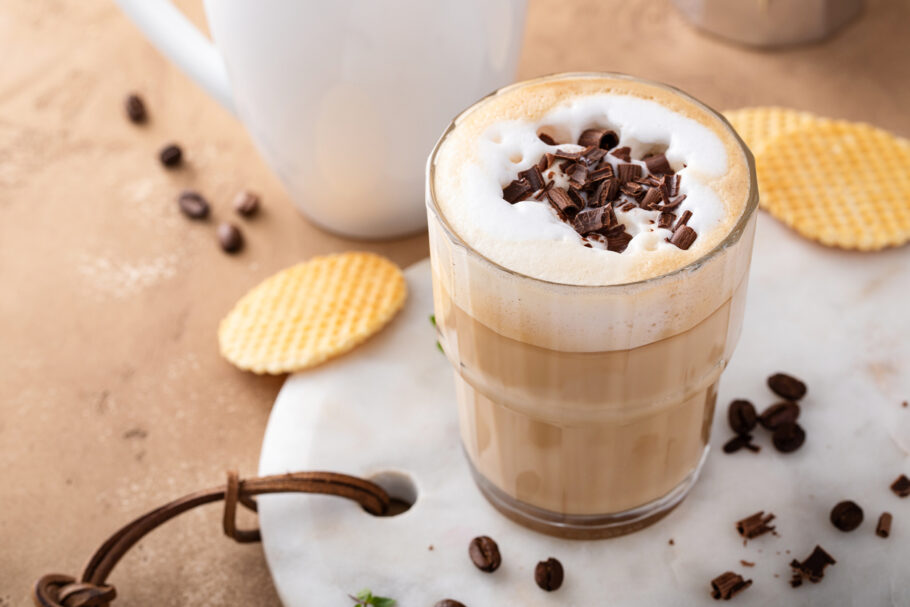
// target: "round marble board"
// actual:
[[836, 319]]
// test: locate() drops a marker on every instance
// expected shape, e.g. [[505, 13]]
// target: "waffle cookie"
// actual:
[[842, 184], [311, 312], [759, 125]]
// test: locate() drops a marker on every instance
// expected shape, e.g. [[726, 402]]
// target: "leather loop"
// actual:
[[56, 590]]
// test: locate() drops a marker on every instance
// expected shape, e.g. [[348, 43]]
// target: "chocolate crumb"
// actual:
[[627, 172], [755, 525], [883, 529], [627, 207], [901, 486], [602, 138], [618, 239], [788, 437], [650, 199], [741, 416], [592, 220], [746, 563], [560, 199], [846, 515], [533, 177], [779, 413], [517, 190], [632, 189], [905, 404], [787, 386], [567, 155], [657, 164], [671, 542], [624, 153], [683, 237], [546, 139], [813, 568], [666, 220], [728, 584]]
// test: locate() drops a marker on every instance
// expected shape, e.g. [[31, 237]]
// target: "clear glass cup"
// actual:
[[592, 443]]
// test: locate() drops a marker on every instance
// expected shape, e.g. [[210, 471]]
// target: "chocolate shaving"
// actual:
[[546, 139], [683, 237], [595, 156], [672, 182], [618, 239], [728, 584], [746, 563], [755, 525], [632, 189], [883, 529], [516, 191], [901, 486], [576, 197], [567, 155], [649, 202], [539, 195], [683, 220], [657, 164], [627, 207], [813, 568], [628, 172], [601, 173], [592, 220], [578, 173], [533, 177], [602, 138], [561, 200], [666, 219], [674, 203], [607, 191], [624, 153]]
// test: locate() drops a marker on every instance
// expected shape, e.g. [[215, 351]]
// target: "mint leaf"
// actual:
[[433, 319], [439, 345], [365, 598], [379, 601]]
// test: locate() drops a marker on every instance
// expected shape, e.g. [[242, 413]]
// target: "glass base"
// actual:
[[586, 526]]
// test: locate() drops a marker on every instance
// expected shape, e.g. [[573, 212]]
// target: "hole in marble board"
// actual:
[[401, 489]]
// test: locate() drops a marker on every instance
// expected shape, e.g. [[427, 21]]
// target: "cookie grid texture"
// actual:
[[760, 125], [306, 314]]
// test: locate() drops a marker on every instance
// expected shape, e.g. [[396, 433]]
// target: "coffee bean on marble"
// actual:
[[484, 554], [846, 515], [742, 416], [230, 238], [135, 109], [779, 413], [449, 603], [549, 574], [246, 203], [193, 204], [787, 386], [788, 437], [171, 155]]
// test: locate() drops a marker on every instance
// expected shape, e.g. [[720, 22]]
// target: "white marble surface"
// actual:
[[839, 320]]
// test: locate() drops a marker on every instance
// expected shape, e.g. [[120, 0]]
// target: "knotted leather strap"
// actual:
[[57, 590]]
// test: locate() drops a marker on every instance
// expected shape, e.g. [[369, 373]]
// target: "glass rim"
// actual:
[[730, 239]]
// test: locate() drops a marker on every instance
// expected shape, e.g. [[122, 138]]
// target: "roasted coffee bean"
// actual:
[[788, 437], [740, 441], [135, 109], [171, 155], [846, 515], [787, 386], [484, 554], [193, 205], [779, 413], [246, 203], [230, 238], [449, 603], [548, 574], [742, 416]]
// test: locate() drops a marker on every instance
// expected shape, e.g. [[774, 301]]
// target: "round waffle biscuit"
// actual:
[[759, 125], [842, 184], [311, 312]]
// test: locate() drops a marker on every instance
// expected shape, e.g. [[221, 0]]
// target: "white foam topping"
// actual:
[[529, 238]]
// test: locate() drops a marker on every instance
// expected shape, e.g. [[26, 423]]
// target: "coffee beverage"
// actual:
[[590, 240]]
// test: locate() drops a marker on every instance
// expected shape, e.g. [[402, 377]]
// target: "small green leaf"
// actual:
[[365, 596], [380, 601], [433, 319], [439, 345]]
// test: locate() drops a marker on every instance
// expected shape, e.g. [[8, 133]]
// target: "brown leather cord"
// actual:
[[57, 590]]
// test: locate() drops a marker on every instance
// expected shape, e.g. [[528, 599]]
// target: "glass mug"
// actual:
[[595, 442]]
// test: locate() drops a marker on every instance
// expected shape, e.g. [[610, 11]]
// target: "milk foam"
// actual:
[[484, 153]]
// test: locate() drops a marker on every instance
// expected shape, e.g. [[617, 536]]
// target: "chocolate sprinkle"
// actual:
[[846, 515], [788, 437], [883, 529], [728, 584], [813, 568], [516, 191], [560, 199], [779, 413], [627, 207], [755, 525], [533, 177], [546, 139], [683, 237], [624, 153], [746, 563], [787, 386], [901, 486], [657, 164], [602, 138]]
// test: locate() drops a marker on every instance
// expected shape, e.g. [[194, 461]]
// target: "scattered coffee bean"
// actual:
[[883, 529], [230, 238], [549, 574], [755, 525], [742, 416], [779, 413], [449, 603], [901, 486], [484, 554], [728, 584], [171, 155], [740, 441], [787, 386], [813, 568], [135, 109], [788, 437], [193, 205], [246, 203], [846, 515]]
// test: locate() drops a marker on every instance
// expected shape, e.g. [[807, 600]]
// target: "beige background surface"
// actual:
[[113, 398]]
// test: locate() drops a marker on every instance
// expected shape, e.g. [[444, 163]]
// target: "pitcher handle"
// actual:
[[181, 42]]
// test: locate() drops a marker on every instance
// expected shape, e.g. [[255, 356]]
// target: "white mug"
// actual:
[[345, 98]]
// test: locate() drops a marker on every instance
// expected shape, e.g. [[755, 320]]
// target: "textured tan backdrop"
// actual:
[[112, 395]]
